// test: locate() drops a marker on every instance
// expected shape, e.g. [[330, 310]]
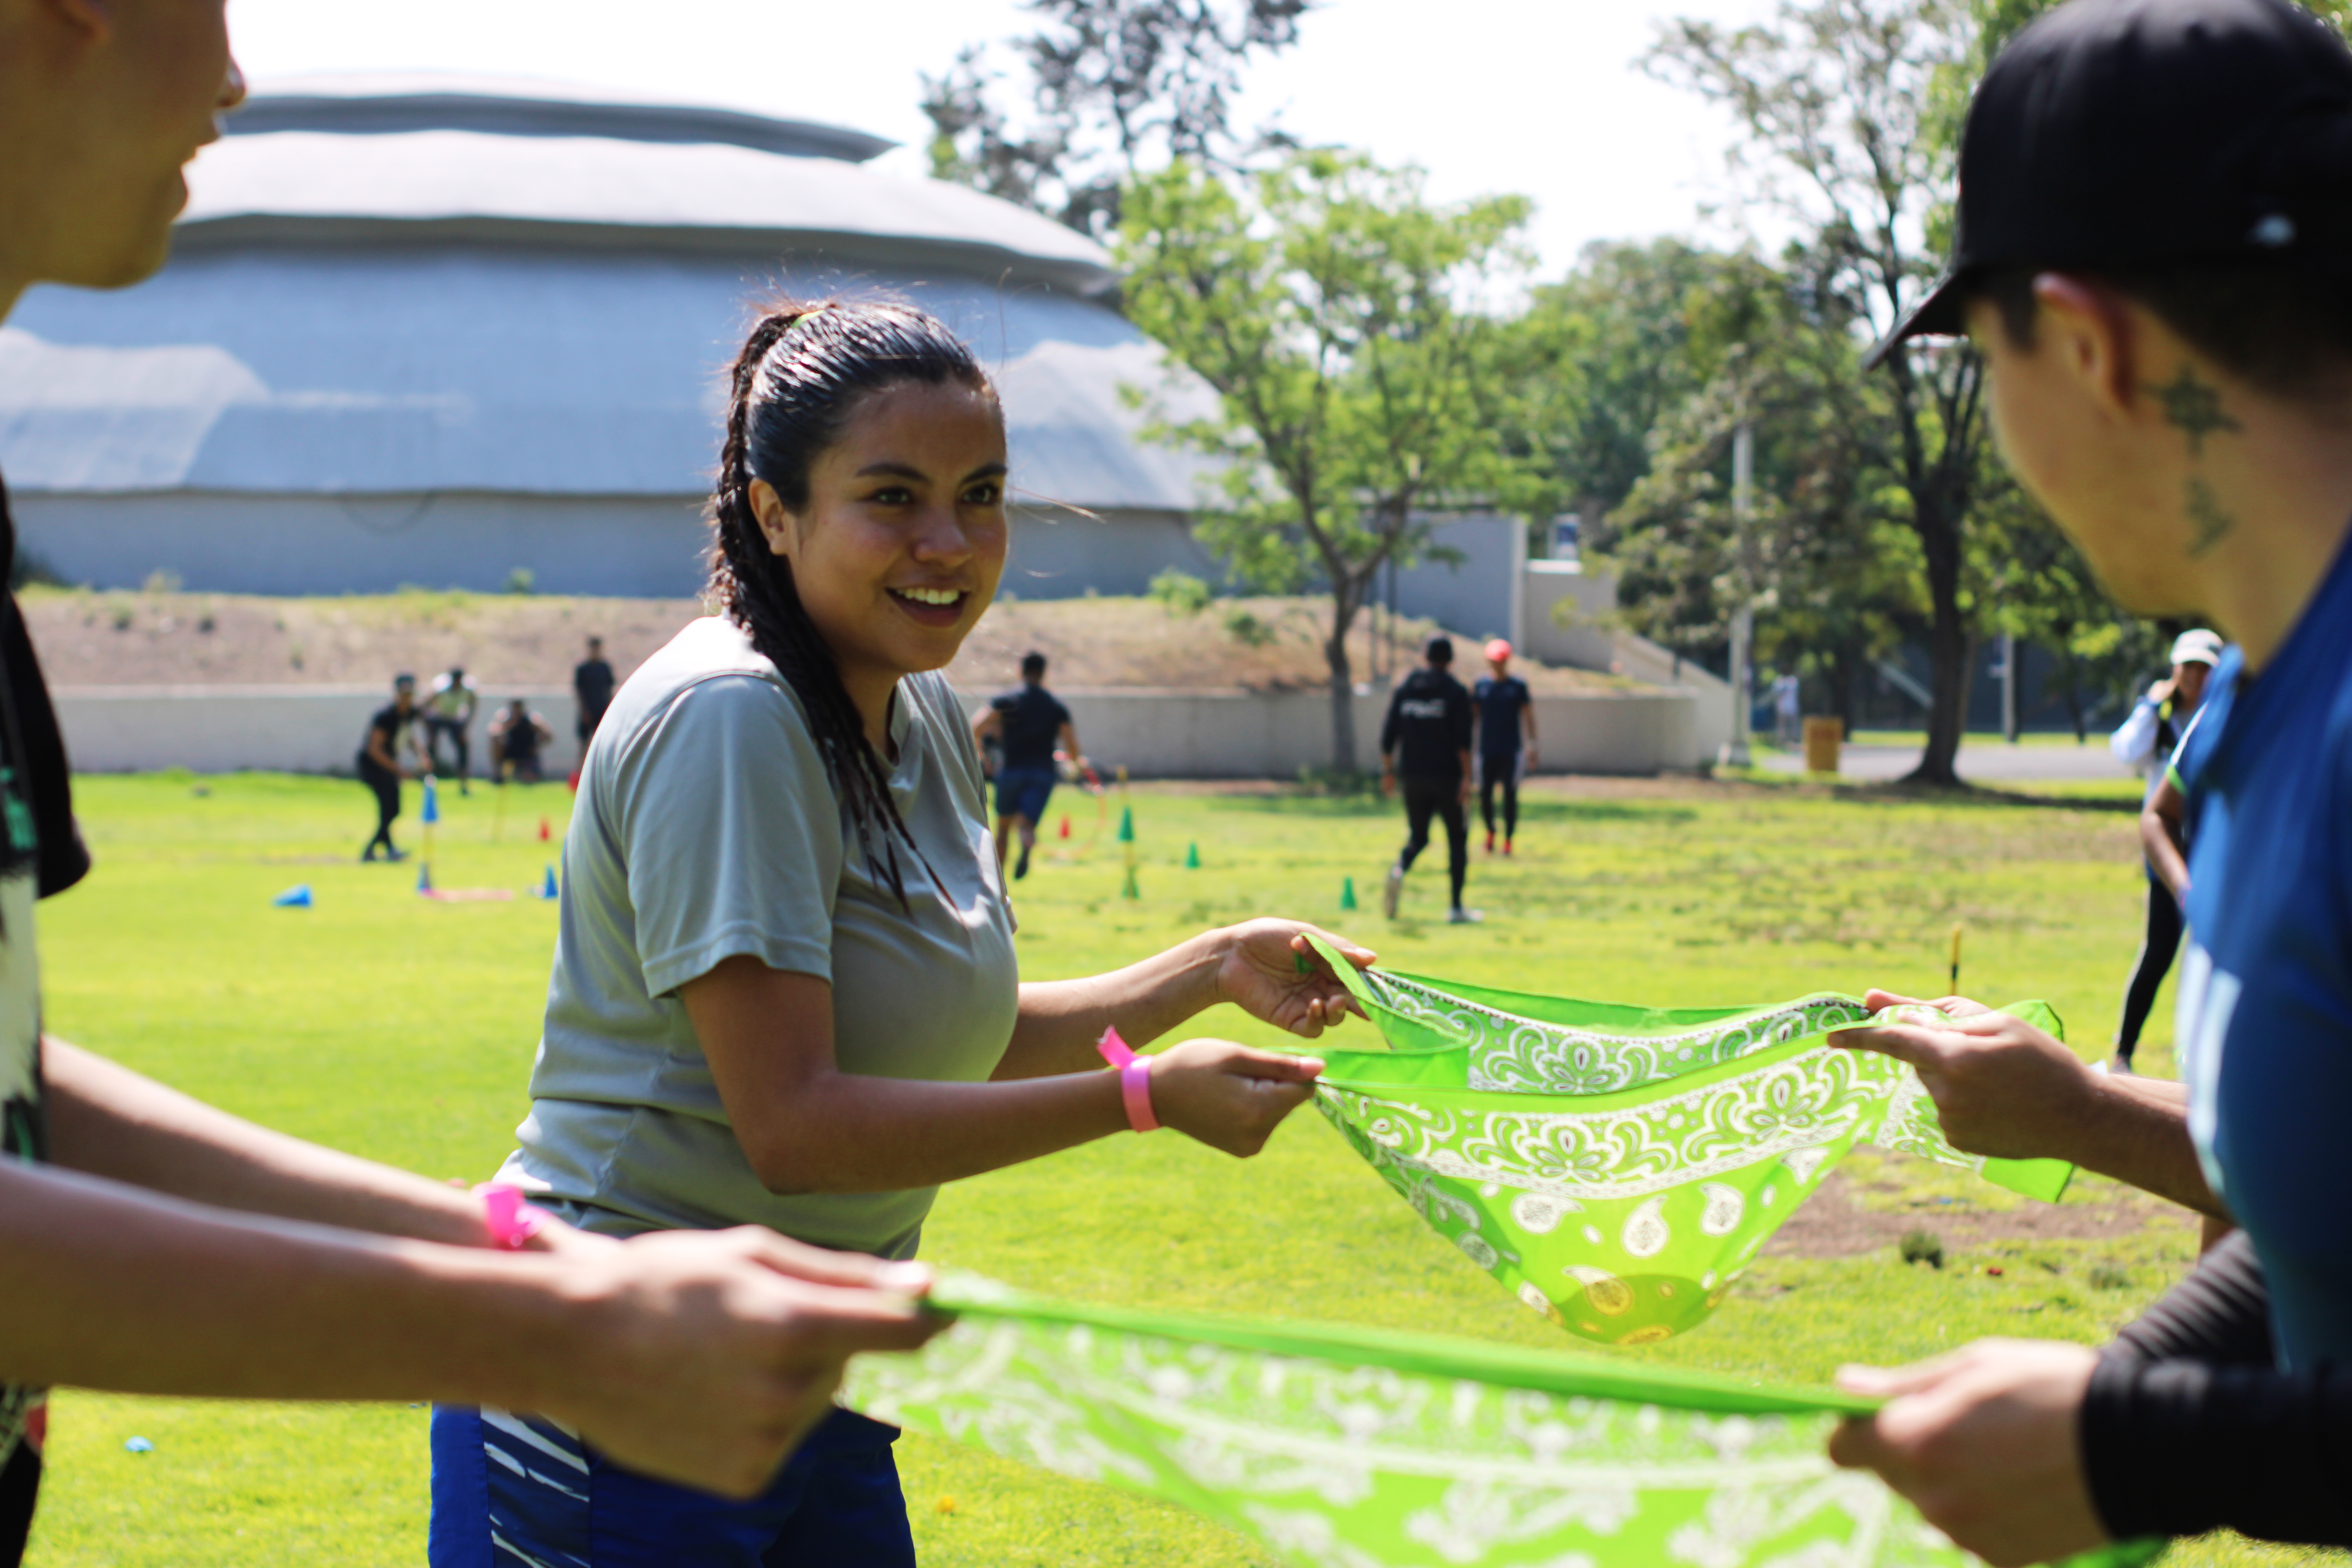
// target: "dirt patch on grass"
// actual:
[[1837, 1221], [89, 639]]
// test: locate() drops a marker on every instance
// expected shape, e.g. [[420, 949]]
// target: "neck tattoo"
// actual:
[[2194, 409]]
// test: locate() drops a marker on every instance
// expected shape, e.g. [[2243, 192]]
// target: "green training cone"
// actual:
[[1347, 892], [1192, 856], [1131, 890], [1127, 824]]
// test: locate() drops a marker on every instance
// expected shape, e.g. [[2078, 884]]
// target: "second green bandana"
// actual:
[[1624, 1215], [1351, 1448]]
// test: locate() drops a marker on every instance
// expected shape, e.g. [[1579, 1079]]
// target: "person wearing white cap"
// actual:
[[2145, 741]]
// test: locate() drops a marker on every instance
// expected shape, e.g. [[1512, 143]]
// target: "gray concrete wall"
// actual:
[[631, 546], [1478, 594], [1156, 735]]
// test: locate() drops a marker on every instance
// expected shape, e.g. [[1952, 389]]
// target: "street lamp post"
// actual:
[[1734, 753]]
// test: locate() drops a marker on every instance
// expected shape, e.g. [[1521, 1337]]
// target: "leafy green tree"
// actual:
[[1837, 100], [1113, 84], [1337, 312]]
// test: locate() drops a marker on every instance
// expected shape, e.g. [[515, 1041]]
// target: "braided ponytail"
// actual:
[[800, 375]]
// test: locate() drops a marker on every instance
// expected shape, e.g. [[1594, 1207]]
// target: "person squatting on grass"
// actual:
[[2154, 254], [153, 1244], [784, 990]]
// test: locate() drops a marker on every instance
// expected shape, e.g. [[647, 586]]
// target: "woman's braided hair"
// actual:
[[798, 381]]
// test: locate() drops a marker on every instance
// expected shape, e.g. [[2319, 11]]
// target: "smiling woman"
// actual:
[[785, 992]]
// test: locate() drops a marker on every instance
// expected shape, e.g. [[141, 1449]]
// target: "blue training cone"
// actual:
[[432, 802], [294, 897], [547, 888]]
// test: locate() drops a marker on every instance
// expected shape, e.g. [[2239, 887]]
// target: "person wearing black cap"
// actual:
[[1425, 748], [2154, 253]]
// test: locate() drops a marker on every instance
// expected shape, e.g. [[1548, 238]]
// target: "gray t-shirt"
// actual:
[[706, 827]]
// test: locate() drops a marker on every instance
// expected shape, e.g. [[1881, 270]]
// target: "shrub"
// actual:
[[1246, 628], [520, 580], [1922, 1246], [1180, 593]]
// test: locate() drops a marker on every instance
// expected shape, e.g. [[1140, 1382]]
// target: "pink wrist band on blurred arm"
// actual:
[[512, 1222], [1134, 1080]]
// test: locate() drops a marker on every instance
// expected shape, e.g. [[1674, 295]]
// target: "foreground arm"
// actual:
[[107, 1121], [2007, 1089], [2023, 1452], [1256, 965], [808, 1127], [2159, 837], [694, 1356]]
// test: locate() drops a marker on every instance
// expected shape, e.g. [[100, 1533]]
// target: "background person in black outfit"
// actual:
[[380, 766], [1027, 724], [516, 736], [591, 687], [1506, 739], [2146, 741], [1425, 742]]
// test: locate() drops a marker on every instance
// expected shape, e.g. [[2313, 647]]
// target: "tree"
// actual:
[[1838, 97], [1828, 566], [1336, 311], [1114, 82]]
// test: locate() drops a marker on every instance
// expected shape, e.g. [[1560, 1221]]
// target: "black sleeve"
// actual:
[[2189, 1426], [1462, 712], [64, 859], [1389, 726]]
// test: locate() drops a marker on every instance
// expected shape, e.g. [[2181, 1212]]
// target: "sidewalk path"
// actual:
[[1990, 762]]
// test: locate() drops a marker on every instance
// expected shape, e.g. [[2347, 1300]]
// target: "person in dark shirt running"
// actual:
[[1506, 739], [1425, 750], [1026, 725], [592, 688], [2152, 260], [380, 766]]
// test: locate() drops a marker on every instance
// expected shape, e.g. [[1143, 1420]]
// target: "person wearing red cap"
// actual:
[[2153, 252], [1506, 718]]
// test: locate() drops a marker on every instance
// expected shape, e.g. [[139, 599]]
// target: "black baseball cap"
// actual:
[[1439, 650], [2123, 132]]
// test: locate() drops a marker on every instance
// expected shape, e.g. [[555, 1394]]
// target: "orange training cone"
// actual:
[[1066, 824], [543, 833]]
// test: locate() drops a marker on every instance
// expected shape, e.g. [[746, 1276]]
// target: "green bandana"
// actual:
[[1617, 1167], [1351, 1448]]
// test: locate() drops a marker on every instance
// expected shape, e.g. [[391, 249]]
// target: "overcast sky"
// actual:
[[1538, 97]]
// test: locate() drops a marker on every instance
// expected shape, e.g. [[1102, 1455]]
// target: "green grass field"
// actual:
[[403, 1029]]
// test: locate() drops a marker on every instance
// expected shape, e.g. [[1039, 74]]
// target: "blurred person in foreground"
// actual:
[[152, 1245], [2145, 743], [2152, 255]]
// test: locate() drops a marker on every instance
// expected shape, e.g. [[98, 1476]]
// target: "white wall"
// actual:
[[289, 729], [1187, 734], [1569, 617]]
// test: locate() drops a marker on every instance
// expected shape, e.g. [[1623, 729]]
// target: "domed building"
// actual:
[[445, 332]]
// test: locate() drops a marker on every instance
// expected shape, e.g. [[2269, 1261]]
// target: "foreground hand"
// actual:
[[1983, 1441], [1227, 1095], [2002, 1087], [704, 1357], [1259, 973]]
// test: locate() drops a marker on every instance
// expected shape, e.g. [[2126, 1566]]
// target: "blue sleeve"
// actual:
[[1061, 715]]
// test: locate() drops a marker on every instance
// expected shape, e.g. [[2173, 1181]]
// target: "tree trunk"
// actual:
[[1343, 680], [1947, 647]]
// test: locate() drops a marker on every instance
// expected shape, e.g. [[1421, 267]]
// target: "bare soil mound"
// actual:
[[89, 639]]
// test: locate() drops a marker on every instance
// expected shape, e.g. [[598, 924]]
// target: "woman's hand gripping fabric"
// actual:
[[1270, 971]]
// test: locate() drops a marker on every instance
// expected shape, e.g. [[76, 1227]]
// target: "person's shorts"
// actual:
[[1024, 791], [511, 1489]]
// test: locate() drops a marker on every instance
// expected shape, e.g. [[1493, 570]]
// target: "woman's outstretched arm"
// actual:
[[808, 1127], [1266, 967]]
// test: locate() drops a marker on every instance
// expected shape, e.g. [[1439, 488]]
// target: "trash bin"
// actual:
[[1822, 738]]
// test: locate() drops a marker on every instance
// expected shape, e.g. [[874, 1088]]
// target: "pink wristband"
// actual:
[[1134, 1080], [512, 1222]]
